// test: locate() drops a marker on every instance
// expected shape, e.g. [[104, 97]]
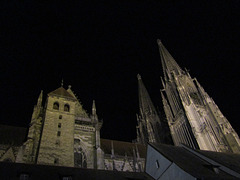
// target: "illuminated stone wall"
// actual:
[[84, 137], [56, 145], [193, 117], [63, 134]]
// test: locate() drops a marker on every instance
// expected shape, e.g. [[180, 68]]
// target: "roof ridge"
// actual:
[[61, 92]]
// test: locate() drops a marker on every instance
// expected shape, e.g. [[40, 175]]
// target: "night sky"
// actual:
[[99, 47]]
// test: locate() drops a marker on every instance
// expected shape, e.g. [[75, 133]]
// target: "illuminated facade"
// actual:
[[63, 134], [193, 117]]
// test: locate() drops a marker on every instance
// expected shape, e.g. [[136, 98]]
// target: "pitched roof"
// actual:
[[121, 148], [196, 165], [229, 160], [61, 92], [12, 135]]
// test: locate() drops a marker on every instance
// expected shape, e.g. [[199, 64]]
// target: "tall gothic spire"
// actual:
[[93, 108], [149, 125], [193, 117], [168, 62], [145, 102]]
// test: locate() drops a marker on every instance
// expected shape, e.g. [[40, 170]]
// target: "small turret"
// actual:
[[112, 149], [94, 111]]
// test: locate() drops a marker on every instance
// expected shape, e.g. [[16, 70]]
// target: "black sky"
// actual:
[[100, 46]]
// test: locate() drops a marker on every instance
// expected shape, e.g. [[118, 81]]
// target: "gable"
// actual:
[[61, 92]]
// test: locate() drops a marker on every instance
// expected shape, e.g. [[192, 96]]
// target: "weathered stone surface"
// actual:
[[63, 134]]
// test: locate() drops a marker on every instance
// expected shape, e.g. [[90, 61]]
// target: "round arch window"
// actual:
[[66, 107], [56, 105]]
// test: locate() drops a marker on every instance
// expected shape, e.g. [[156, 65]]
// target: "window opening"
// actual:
[[157, 164], [66, 107], [56, 161], [56, 105], [80, 158]]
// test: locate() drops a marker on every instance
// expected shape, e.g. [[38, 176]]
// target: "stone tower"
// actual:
[[149, 128], [57, 141], [193, 117], [70, 137]]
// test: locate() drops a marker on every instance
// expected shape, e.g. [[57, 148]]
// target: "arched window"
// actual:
[[80, 158], [56, 105], [66, 107]]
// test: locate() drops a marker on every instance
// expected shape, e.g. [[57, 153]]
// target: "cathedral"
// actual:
[[62, 133], [193, 117]]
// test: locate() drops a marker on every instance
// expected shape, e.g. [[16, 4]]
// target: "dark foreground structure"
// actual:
[[185, 163], [19, 171], [163, 162]]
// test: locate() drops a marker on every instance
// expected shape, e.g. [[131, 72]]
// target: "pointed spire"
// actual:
[[112, 149], [168, 62], [112, 156], [138, 156], [94, 111], [39, 103], [134, 159], [62, 83], [139, 77], [163, 97], [145, 102]]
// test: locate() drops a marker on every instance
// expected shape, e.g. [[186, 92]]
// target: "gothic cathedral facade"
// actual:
[[193, 117], [63, 134]]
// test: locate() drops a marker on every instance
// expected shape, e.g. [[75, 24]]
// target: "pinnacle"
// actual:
[[159, 41], [62, 83], [139, 77]]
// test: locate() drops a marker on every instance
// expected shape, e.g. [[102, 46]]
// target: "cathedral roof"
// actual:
[[230, 160], [122, 148], [200, 163], [61, 92], [12, 135]]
